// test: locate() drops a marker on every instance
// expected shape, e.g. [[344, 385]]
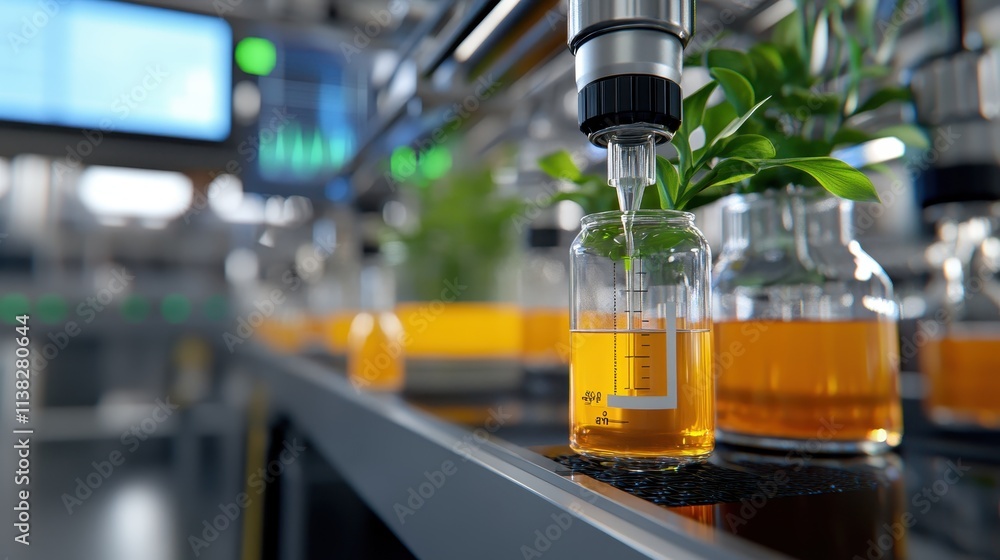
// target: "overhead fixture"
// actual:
[[121, 193], [482, 31], [772, 15]]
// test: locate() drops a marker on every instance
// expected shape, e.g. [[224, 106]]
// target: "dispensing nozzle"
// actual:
[[631, 165]]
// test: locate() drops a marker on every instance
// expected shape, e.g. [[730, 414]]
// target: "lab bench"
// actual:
[[491, 477]]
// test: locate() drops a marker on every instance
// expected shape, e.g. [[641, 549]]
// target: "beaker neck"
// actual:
[[795, 217], [377, 285]]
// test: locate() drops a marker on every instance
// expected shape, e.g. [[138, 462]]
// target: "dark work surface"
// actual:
[[713, 483], [937, 497]]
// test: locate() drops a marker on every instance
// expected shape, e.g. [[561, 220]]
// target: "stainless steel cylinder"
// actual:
[[629, 58]]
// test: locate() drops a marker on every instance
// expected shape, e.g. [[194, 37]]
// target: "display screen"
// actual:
[[115, 67]]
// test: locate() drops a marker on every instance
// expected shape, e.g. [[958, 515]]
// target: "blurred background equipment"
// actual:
[[195, 198]]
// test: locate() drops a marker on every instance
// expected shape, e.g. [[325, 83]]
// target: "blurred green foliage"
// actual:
[[463, 234]]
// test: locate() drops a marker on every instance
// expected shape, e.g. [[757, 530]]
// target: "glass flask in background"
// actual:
[[375, 341], [806, 344], [959, 338], [545, 304], [641, 388], [333, 297]]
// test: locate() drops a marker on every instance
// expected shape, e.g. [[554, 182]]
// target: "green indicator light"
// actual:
[[435, 162], [402, 163], [12, 305], [134, 309], [256, 56], [216, 308], [51, 308], [316, 152], [338, 152], [298, 155], [175, 308]]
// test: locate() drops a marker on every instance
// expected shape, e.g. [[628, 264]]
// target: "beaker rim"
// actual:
[[647, 216]]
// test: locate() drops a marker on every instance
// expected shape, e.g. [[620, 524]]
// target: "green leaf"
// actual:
[[854, 75], [832, 174], [694, 108], [865, 15], [728, 171], [797, 100], [717, 118], [560, 165], [734, 126], [883, 96], [732, 60], [909, 134], [789, 35], [851, 136], [738, 90], [769, 69], [747, 146], [667, 183]]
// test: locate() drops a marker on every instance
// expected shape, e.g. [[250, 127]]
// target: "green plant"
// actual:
[[815, 69], [729, 157], [462, 235]]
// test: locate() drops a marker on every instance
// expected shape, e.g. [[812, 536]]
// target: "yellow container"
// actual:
[[447, 331], [546, 336]]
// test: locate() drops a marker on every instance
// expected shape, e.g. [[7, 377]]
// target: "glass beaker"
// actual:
[[376, 343], [641, 389], [805, 335], [960, 350]]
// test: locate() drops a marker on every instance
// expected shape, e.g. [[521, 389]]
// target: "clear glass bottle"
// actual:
[[641, 391], [806, 344], [545, 304], [376, 341], [960, 354]]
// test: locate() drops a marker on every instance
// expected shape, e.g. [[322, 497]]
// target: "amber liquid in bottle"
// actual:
[[632, 363], [546, 336], [375, 359], [963, 374], [833, 381]]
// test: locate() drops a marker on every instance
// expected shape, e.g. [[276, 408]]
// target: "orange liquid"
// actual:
[[812, 380], [375, 352], [601, 430], [335, 329], [963, 371], [461, 330], [546, 336], [283, 334]]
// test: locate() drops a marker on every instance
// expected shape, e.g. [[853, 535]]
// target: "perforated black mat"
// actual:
[[713, 484]]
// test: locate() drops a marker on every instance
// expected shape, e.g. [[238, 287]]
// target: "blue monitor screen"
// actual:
[[115, 67]]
